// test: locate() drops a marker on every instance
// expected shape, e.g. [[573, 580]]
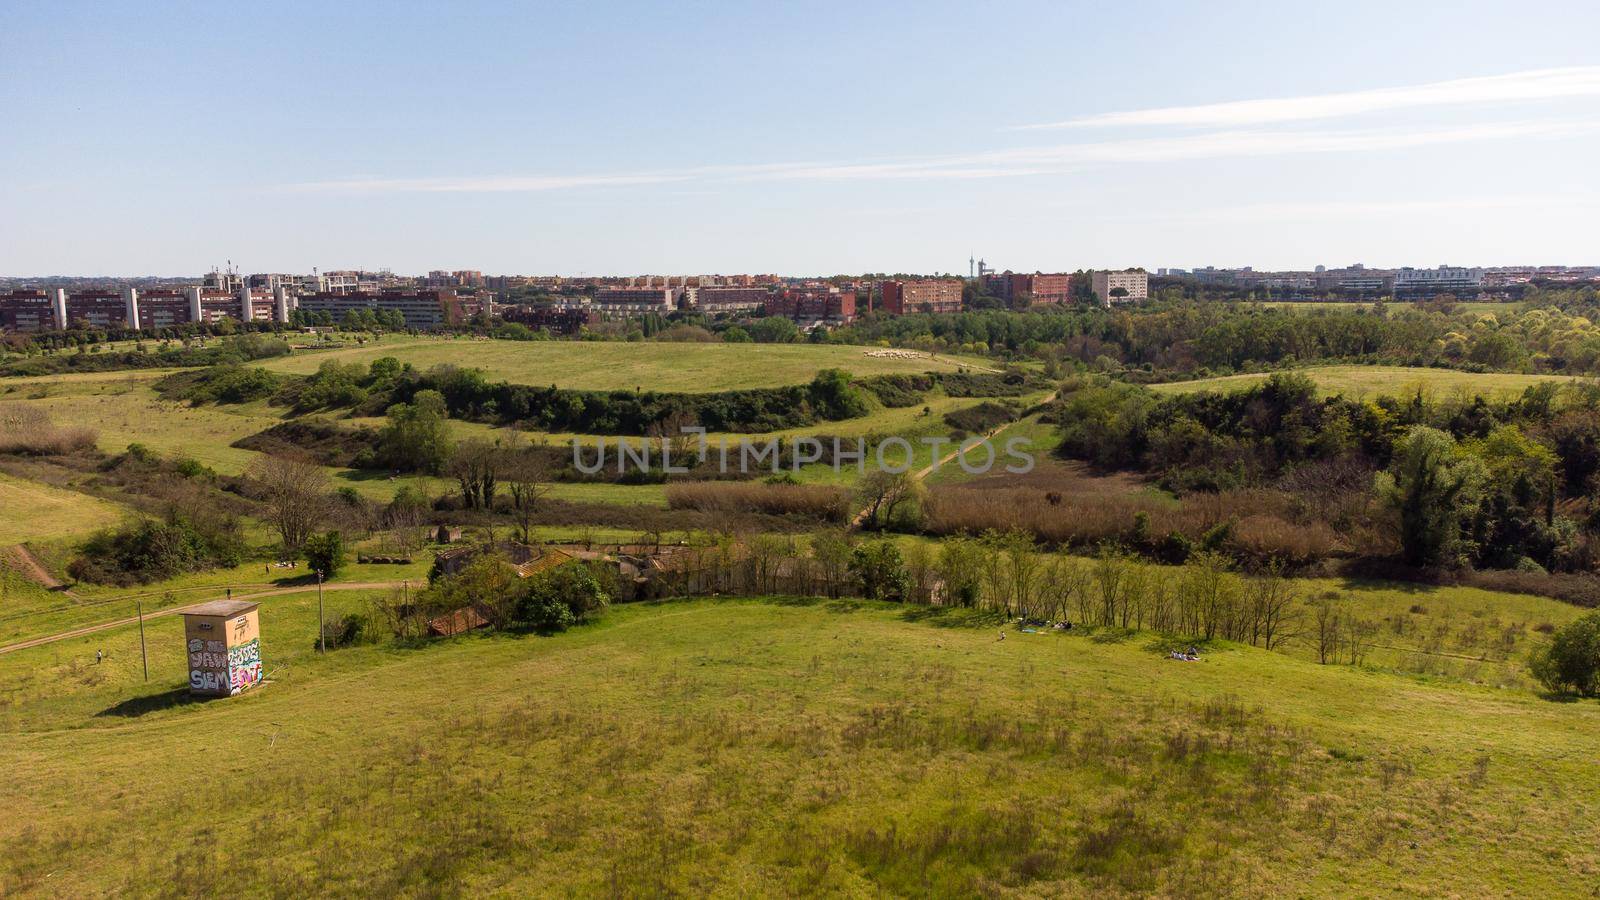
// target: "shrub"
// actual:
[[153, 550], [878, 567], [980, 419], [1570, 663], [349, 630], [325, 553], [555, 599]]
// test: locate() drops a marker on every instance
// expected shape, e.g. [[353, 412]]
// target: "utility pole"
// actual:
[[322, 626], [144, 656]]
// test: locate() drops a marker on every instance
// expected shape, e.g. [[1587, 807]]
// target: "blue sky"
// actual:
[[623, 138]]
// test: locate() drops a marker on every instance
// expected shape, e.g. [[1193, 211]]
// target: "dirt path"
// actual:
[[25, 562], [927, 470], [174, 610]]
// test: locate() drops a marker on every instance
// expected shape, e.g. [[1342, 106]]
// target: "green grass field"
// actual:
[[608, 365], [30, 511], [761, 748], [1372, 381]]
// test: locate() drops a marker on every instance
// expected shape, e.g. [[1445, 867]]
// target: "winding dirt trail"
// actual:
[[929, 469]]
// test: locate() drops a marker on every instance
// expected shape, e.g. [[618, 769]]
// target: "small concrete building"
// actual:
[[223, 638]]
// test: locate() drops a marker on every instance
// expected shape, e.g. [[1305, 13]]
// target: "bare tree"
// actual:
[[883, 493], [1023, 565], [831, 550], [295, 492], [526, 473], [920, 565], [1327, 628], [476, 468], [1271, 606]]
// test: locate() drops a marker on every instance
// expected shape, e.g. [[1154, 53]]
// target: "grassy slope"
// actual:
[[738, 748], [30, 511], [1358, 381], [624, 366]]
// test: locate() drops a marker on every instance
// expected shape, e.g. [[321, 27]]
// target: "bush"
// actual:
[[557, 598], [154, 550], [980, 419], [349, 630], [1570, 663], [547, 614], [325, 553], [877, 565]]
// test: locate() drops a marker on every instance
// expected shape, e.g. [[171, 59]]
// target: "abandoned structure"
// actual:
[[223, 640]]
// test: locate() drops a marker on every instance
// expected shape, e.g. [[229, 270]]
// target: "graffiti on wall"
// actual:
[[216, 668], [208, 666], [244, 665]]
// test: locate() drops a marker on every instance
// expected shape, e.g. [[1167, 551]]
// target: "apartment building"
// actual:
[[565, 320], [33, 310], [1442, 279], [100, 309], [1055, 288], [813, 305], [932, 295], [162, 307], [421, 309], [1120, 287], [719, 300], [637, 301]]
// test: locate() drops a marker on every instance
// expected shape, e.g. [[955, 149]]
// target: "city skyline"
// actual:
[[625, 140]]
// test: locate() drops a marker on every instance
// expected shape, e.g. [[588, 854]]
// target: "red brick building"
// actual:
[[1043, 288], [554, 319], [934, 295], [27, 310], [97, 309], [813, 305]]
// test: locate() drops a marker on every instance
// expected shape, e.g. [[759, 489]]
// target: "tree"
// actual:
[[475, 466], [295, 493], [1570, 663], [883, 493], [831, 549], [773, 330], [958, 568], [1435, 488], [325, 553], [416, 436], [880, 570], [556, 598], [525, 473]]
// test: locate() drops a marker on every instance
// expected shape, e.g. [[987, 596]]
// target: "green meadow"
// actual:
[[613, 365], [775, 747], [1373, 381]]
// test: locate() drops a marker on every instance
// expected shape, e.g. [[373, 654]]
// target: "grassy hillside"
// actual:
[[1357, 381], [624, 366], [30, 511], [763, 748]]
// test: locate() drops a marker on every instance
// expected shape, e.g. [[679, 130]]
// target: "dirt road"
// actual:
[[174, 610]]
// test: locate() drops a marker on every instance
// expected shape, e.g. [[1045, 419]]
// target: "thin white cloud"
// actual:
[[1210, 145], [483, 185], [1317, 210], [1537, 84], [1007, 163]]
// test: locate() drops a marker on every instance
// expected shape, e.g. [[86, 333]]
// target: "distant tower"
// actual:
[[970, 261]]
